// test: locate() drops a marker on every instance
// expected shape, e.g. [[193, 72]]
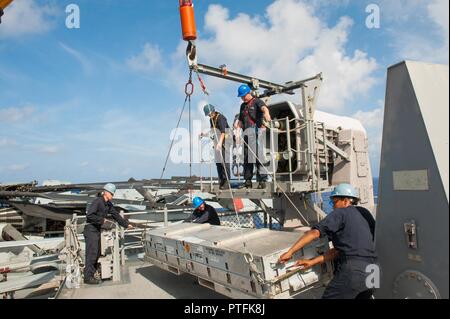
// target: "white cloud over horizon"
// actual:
[[438, 11], [27, 17], [15, 114], [372, 121], [6, 142], [14, 167], [149, 60], [50, 149], [274, 47], [419, 29]]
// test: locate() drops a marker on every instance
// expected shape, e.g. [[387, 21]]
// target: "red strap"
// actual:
[[247, 113]]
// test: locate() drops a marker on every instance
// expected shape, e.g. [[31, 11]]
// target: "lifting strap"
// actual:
[[247, 112]]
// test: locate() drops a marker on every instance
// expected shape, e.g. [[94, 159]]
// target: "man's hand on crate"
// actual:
[[302, 264]]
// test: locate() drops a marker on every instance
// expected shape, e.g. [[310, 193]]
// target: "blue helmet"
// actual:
[[243, 90], [208, 109], [197, 202], [345, 190]]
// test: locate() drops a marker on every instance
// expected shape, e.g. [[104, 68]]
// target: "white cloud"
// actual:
[[101, 170], [438, 10], [25, 17], [373, 122], [15, 114], [370, 119], [149, 60], [328, 3], [419, 29], [50, 149], [41, 148], [289, 43], [84, 62], [5, 142], [15, 167], [399, 10]]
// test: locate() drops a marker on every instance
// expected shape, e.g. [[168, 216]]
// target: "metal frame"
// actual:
[[312, 151], [308, 106]]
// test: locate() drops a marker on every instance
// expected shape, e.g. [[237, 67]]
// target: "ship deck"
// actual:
[[142, 280]]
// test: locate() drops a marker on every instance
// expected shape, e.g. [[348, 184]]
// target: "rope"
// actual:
[[190, 138], [202, 83], [248, 257], [228, 179], [189, 90]]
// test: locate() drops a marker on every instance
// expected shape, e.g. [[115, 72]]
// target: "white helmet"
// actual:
[[110, 188]]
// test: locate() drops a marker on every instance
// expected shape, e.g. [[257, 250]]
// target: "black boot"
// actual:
[[262, 185], [224, 186], [92, 281], [98, 275], [247, 184]]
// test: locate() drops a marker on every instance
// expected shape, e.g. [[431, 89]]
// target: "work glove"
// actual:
[[267, 125]]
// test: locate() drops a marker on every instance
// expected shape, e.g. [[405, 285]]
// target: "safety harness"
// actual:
[[214, 123], [247, 112]]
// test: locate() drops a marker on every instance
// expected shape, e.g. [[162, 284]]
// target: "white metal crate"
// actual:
[[236, 261]]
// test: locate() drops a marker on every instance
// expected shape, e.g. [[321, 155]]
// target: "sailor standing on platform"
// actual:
[[252, 116], [221, 132]]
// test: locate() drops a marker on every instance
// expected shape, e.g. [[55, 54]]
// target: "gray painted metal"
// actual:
[[43, 211], [7, 194], [412, 235], [337, 150], [17, 236], [27, 282], [357, 171], [236, 77], [11, 216], [430, 82], [25, 243]]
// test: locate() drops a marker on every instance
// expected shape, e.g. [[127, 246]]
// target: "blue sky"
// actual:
[[99, 103]]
